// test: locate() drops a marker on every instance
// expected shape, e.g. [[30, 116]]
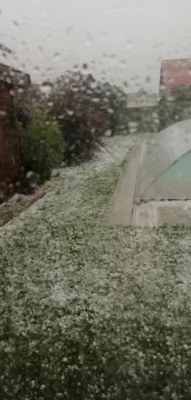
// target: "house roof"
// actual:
[[175, 73], [14, 76]]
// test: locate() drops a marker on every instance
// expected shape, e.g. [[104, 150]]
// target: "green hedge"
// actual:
[[172, 112], [139, 120], [42, 145], [154, 118], [145, 119]]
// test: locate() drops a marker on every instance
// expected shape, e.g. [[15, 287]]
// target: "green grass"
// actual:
[[93, 312]]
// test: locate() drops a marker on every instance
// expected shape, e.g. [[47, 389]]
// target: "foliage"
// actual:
[[34, 96], [41, 145], [172, 111], [81, 120], [86, 109], [80, 140], [116, 104], [142, 119], [79, 94], [179, 93], [23, 116]]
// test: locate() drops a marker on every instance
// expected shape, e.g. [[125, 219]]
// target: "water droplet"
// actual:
[[104, 34], [56, 56], [85, 66], [93, 85], [69, 29], [148, 79], [70, 112], [46, 87], [3, 113], [21, 82], [88, 40], [15, 23], [129, 44]]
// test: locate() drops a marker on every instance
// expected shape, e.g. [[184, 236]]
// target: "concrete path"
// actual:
[[120, 210]]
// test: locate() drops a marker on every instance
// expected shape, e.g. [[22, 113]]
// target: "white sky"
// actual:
[[122, 40]]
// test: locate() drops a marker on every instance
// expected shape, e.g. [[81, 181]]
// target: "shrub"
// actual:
[[41, 145], [82, 120], [101, 103], [81, 141], [171, 112], [23, 116], [86, 109], [116, 100]]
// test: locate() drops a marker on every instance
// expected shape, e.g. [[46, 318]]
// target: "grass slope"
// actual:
[[88, 311]]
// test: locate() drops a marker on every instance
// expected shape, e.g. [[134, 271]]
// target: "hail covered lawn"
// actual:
[[89, 311]]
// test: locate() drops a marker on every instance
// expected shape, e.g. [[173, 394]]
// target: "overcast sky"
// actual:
[[121, 40]]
